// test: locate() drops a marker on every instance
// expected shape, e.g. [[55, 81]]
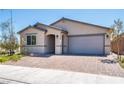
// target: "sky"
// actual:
[[24, 17]]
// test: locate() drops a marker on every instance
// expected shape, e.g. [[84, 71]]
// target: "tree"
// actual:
[[8, 38], [9, 41], [117, 29]]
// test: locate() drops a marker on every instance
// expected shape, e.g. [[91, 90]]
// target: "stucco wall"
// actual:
[[33, 49], [77, 28], [83, 29], [65, 43], [58, 41], [107, 44], [40, 45]]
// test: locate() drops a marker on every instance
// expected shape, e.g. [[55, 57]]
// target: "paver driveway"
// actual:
[[88, 64]]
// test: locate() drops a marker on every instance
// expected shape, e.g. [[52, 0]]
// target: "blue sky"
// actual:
[[23, 18]]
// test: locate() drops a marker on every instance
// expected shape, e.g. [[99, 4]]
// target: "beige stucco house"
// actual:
[[65, 36]]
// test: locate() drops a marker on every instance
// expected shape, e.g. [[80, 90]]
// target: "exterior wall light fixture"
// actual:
[[57, 36]]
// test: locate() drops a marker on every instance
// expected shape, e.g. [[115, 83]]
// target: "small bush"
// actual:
[[4, 59], [122, 60], [14, 57], [3, 53]]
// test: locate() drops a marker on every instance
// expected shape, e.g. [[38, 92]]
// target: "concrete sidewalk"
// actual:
[[27, 75]]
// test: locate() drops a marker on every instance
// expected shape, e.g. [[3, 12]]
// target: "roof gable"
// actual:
[[48, 26], [28, 27], [62, 19], [42, 27]]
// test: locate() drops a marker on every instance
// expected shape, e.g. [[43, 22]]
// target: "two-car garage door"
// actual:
[[89, 44]]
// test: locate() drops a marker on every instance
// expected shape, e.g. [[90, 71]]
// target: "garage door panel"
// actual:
[[86, 44]]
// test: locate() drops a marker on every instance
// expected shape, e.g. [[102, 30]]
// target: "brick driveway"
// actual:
[[88, 64]]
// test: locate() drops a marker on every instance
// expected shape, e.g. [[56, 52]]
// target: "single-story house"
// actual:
[[65, 36]]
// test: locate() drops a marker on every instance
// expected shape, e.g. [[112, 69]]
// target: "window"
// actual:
[[28, 40], [31, 40]]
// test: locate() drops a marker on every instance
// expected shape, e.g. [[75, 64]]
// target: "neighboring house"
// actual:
[[66, 36], [118, 44]]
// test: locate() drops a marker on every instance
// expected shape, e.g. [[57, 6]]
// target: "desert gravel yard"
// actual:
[[85, 64]]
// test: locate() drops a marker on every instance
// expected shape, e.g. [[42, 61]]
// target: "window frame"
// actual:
[[31, 42]]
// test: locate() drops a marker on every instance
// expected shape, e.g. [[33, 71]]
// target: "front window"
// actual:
[[31, 40]]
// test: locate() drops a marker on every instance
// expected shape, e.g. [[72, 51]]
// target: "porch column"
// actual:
[[58, 44]]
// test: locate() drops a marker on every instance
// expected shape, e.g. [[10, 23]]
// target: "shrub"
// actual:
[[15, 57], [2, 53], [4, 59], [122, 60]]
